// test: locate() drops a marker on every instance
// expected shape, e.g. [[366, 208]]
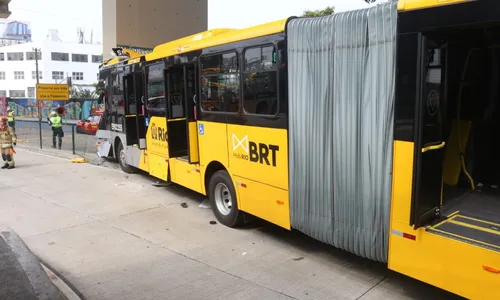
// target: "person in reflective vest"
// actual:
[[55, 122], [11, 118], [8, 140]]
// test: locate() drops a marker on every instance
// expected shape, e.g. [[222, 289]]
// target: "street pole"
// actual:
[[37, 100]]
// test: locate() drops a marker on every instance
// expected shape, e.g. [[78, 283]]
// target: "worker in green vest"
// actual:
[[11, 118], [55, 121]]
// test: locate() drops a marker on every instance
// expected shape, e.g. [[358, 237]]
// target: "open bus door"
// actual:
[[190, 86], [135, 126], [181, 123], [429, 136]]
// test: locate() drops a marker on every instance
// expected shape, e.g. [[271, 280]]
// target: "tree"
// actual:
[[99, 88], [320, 12], [77, 93]]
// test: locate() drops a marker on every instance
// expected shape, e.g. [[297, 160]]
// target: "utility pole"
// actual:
[[37, 100]]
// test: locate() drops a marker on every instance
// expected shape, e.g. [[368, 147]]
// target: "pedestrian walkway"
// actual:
[[115, 236]]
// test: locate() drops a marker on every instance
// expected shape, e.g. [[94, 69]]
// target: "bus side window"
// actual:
[[117, 89], [220, 83], [156, 88], [260, 78]]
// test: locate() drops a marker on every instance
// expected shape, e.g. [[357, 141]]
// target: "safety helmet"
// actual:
[[3, 120]]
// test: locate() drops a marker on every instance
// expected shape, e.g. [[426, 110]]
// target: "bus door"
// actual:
[[135, 127], [191, 86], [181, 124], [429, 135]]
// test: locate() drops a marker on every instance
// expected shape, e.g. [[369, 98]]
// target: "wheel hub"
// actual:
[[122, 156], [223, 199]]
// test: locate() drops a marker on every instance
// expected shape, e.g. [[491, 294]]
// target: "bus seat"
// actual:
[[452, 162]]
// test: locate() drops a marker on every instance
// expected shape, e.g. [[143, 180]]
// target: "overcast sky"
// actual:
[[68, 15]]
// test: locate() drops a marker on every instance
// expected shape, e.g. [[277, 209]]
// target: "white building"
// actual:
[[57, 62]]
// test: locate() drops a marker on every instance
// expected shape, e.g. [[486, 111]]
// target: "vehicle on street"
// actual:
[[90, 124], [372, 130]]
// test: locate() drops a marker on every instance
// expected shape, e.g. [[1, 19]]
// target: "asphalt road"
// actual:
[[14, 284], [21, 275]]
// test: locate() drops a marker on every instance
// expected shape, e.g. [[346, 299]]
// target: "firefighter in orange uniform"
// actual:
[[8, 140]]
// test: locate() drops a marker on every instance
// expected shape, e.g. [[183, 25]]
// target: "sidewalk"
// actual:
[[22, 276], [114, 236]]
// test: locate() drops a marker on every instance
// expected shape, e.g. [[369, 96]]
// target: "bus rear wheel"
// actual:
[[222, 197], [121, 156]]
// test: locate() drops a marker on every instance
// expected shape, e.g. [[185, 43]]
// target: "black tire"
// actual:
[[123, 165], [234, 217], [78, 130]]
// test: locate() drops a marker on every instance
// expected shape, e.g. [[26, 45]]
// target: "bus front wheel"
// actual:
[[121, 157], [222, 196]]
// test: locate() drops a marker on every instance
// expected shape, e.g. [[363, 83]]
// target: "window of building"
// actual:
[[260, 81], [58, 56], [97, 59], [220, 83], [31, 55], [79, 58], [156, 87], [17, 93], [77, 76], [57, 75], [31, 92], [2, 75], [3, 93], [33, 75], [18, 75], [2, 56], [15, 56]]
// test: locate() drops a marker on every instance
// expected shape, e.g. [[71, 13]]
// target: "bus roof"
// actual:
[[223, 36], [214, 37], [405, 5], [132, 55]]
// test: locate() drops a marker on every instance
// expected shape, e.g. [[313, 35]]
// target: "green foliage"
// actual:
[[84, 94], [99, 87], [320, 12]]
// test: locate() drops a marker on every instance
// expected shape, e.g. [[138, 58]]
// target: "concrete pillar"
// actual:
[[4, 9], [147, 23]]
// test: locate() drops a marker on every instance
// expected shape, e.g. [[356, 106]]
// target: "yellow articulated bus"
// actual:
[[376, 131]]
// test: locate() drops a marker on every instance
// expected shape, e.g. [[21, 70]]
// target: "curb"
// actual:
[[61, 283], [63, 154], [97, 163]]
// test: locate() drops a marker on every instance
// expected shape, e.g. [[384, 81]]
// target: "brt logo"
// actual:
[[255, 152], [158, 133]]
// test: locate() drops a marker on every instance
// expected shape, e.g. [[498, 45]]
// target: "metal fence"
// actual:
[[31, 133]]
